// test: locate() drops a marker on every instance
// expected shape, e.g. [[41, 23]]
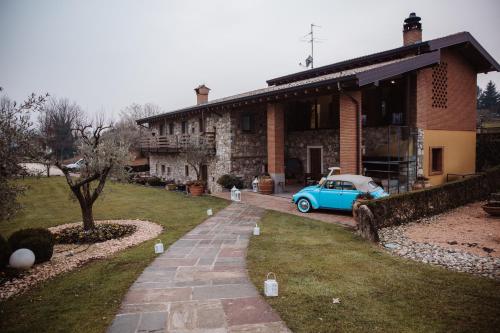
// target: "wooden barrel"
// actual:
[[266, 185]]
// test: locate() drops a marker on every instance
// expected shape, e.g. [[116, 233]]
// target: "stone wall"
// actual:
[[220, 164], [296, 143], [248, 150]]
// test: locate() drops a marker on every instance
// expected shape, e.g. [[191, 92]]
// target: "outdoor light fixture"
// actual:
[[159, 247], [235, 194], [22, 259], [256, 230], [271, 286]]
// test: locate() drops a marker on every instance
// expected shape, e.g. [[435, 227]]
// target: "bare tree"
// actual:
[[196, 155], [17, 143], [127, 126], [103, 156], [56, 121]]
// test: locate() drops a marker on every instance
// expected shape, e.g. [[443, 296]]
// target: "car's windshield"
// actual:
[[373, 185]]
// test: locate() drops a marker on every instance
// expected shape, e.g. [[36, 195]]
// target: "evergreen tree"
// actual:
[[489, 98]]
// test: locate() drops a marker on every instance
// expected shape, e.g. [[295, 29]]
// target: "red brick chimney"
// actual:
[[201, 94], [412, 30]]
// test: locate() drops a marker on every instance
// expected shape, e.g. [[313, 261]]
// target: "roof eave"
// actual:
[[252, 97]]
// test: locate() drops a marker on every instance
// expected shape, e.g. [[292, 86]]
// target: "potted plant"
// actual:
[[171, 185], [196, 188]]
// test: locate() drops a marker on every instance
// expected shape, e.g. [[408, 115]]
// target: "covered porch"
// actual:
[[369, 131]]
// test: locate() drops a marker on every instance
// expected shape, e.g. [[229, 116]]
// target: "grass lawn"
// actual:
[[86, 300], [316, 262]]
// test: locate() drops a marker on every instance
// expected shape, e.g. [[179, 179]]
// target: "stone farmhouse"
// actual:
[[393, 115]]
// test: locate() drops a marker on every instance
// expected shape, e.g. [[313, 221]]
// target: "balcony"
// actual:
[[177, 143]]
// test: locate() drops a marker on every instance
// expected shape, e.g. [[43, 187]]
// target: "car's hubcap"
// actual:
[[303, 205]]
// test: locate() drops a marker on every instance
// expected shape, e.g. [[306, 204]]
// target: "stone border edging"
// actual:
[[70, 256]]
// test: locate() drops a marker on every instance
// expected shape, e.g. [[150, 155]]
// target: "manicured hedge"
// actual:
[[5, 252], [38, 240], [411, 206]]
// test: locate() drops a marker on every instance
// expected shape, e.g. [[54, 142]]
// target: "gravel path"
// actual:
[[68, 257], [395, 240], [200, 284]]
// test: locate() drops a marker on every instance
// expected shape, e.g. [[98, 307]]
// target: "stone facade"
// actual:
[[217, 165], [249, 148], [296, 144]]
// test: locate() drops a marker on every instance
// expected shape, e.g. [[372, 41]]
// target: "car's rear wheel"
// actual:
[[303, 205]]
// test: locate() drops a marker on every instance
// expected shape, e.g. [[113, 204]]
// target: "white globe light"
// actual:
[[22, 259]]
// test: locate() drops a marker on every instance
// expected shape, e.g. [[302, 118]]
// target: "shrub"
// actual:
[[38, 240], [102, 233], [156, 181], [5, 252], [228, 181]]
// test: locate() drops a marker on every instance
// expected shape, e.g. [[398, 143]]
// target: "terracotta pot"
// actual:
[[266, 185], [196, 190]]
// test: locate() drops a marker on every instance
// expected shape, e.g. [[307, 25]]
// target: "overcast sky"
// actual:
[[108, 54]]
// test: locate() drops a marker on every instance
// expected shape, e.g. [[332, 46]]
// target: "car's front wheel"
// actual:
[[303, 205]]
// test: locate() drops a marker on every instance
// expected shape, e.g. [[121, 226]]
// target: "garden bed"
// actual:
[[70, 256]]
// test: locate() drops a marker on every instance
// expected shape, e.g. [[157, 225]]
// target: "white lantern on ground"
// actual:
[[271, 286], [256, 230], [22, 259], [210, 212], [255, 185], [159, 246], [235, 194]]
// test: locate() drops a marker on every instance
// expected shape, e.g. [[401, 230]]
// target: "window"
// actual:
[[333, 185], [436, 161], [169, 171], [157, 169], [320, 113], [162, 129], [171, 128], [184, 127], [339, 185], [163, 169], [186, 170], [201, 125], [348, 186], [248, 123]]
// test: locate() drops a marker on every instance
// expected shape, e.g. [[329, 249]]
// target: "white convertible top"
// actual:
[[361, 182]]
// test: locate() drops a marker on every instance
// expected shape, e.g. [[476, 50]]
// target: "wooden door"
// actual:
[[315, 163], [204, 173]]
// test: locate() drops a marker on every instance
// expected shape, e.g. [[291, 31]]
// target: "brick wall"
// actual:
[[275, 139], [460, 111], [348, 134]]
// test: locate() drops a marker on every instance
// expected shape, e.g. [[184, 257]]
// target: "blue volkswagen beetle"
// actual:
[[336, 192]]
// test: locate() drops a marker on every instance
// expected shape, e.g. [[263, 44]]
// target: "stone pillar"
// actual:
[[276, 145], [349, 142]]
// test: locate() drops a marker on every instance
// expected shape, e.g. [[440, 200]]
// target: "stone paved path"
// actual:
[[200, 284]]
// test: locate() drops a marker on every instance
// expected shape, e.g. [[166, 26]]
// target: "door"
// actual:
[[348, 195], [330, 195], [204, 173], [315, 163]]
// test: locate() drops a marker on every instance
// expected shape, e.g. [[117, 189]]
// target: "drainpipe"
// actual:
[[358, 126]]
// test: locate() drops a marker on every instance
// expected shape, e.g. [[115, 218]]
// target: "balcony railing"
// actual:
[[177, 143]]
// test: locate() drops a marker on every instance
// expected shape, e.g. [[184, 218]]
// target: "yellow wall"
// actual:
[[459, 152]]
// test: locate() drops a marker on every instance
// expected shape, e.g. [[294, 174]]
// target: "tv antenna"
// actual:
[[310, 59]]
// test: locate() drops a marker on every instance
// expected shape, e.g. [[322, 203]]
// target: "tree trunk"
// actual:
[[88, 217]]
